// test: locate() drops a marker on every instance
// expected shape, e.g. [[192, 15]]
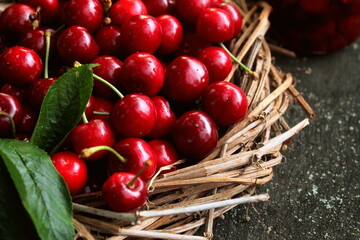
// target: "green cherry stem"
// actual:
[[59, 29], [142, 170], [87, 152], [252, 73], [101, 113], [12, 123], [109, 85], [84, 118], [47, 53]]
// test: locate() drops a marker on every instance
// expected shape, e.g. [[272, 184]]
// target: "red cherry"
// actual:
[[225, 102], [141, 33], [172, 32], [16, 18], [85, 13], [165, 118], [72, 169], [141, 73], [185, 79], [12, 107], [195, 135], [108, 39], [94, 133], [215, 2], [214, 25], [217, 62], [38, 90], [20, 66], [234, 14], [35, 40], [48, 8], [19, 92], [28, 122], [159, 7], [109, 68], [76, 44], [133, 116], [123, 10], [89, 109], [165, 154], [102, 105], [189, 10], [123, 198], [137, 153]]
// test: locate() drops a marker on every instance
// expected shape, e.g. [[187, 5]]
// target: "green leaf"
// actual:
[[62, 108], [42, 190]]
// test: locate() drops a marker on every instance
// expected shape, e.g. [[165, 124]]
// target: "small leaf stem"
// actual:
[[142, 170], [84, 118], [47, 53], [12, 123], [87, 152], [109, 85]]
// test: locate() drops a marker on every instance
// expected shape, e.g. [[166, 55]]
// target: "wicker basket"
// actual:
[[182, 201]]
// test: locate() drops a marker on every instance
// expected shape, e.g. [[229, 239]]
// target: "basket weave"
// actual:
[[182, 201]]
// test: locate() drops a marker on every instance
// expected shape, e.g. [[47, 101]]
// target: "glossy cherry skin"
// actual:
[[108, 69], [189, 10], [141, 33], [48, 8], [225, 102], [172, 33], [133, 116], [185, 79], [38, 90], [13, 108], [19, 92], [141, 73], [85, 13], [94, 133], [165, 154], [213, 3], [234, 14], [195, 135], [28, 121], [159, 7], [108, 39], [217, 62], [136, 152], [165, 118], [102, 105], [76, 44], [123, 10], [214, 25], [15, 18], [20, 66], [122, 198], [72, 169], [35, 39]]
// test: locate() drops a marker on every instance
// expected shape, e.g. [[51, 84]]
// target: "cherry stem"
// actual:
[[101, 113], [107, 5], [252, 73], [12, 123], [142, 170], [109, 85], [87, 152], [47, 53], [59, 29], [84, 118]]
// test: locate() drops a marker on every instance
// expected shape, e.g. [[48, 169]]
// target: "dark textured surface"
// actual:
[[316, 193]]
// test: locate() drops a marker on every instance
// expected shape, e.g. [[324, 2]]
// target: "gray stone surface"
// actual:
[[316, 193]]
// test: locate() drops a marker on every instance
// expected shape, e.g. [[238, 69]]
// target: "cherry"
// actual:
[[89, 109], [123, 10], [165, 118], [38, 90], [122, 197], [172, 32], [72, 169], [108, 39], [16, 19], [195, 135], [133, 116], [214, 3], [19, 92], [217, 62], [109, 68], [35, 40], [28, 122], [141, 73], [85, 13], [48, 8], [214, 25], [141, 33], [103, 106], [94, 133], [20, 66], [11, 112], [185, 79], [234, 14], [76, 44], [225, 102], [189, 10], [159, 7], [165, 154], [136, 153]]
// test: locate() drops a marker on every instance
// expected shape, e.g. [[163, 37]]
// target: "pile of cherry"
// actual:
[[164, 97]]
